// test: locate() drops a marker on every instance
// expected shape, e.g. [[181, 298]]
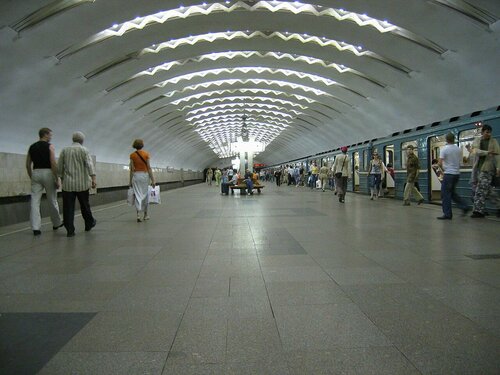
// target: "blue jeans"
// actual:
[[249, 185], [449, 194], [314, 178], [375, 181]]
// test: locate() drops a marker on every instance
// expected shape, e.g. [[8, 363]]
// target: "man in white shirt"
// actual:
[[449, 160]]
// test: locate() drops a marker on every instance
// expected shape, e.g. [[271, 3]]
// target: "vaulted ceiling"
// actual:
[[181, 75]]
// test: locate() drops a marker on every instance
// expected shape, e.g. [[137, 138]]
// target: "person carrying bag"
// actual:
[[140, 177]]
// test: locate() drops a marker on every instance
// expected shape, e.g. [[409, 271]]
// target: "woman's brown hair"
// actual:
[[138, 144]]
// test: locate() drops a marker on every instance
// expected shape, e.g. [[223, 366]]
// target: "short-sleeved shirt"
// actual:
[[451, 156], [139, 165]]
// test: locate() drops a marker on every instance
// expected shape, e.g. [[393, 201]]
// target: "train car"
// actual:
[[427, 140]]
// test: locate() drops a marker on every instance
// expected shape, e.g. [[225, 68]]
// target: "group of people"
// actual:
[[334, 176], [74, 172], [485, 152], [229, 177]]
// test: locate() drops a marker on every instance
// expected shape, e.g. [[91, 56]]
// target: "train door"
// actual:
[[355, 172], [435, 172], [390, 185]]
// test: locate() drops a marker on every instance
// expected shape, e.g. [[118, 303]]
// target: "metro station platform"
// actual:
[[287, 282]]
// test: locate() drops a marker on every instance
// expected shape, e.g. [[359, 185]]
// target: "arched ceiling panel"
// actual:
[[306, 76]]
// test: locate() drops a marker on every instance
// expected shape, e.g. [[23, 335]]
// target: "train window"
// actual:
[[365, 160], [355, 163], [435, 145], [404, 147], [465, 139], [389, 155]]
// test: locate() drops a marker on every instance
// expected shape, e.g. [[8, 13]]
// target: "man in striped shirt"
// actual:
[[76, 169]]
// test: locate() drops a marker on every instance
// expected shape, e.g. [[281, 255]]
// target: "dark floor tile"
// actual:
[[29, 340]]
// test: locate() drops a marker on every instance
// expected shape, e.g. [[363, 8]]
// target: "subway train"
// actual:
[[427, 140]]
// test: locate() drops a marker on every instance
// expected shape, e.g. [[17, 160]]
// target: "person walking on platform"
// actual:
[[342, 172], [140, 176], [375, 171], [77, 173], [277, 175], [412, 170], [224, 183], [314, 175], [42, 169], [450, 157], [323, 175], [486, 165], [210, 174], [218, 175]]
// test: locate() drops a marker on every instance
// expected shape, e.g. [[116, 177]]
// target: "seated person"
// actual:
[[437, 169], [226, 182], [249, 182]]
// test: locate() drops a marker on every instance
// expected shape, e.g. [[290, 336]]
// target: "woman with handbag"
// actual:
[[140, 176]]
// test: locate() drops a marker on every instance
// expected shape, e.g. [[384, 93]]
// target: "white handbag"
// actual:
[[154, 194]]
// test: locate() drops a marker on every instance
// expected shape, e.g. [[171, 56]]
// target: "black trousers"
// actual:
[[69, 209]]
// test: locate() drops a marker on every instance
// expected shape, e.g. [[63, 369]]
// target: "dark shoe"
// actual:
[[465, 211], [59, 226], [420, 202], [498, 212], [444, 218], [88, 228], [476, 215], [406, 203], [70, 234], [37, 232]]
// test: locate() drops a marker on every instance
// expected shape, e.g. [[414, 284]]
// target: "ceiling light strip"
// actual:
[[229, 35], [247, 55], [243, 91], [47, 12], [247, 99], [237, 116], [222, 107], [140, 23], [231, 82], [469, 10], [237, 110]]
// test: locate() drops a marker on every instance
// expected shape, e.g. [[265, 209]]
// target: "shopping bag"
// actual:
[[154, 194], [130, 196]]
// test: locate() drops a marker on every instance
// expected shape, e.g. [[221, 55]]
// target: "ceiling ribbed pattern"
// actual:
[[307, 77]]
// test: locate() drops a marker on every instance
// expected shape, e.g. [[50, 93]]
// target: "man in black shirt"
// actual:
[[42, 170]]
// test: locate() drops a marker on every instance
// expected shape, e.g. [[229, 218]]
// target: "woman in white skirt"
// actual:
[[140, 176]]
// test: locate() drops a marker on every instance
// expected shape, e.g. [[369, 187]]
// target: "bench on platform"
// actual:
[[242, 185]]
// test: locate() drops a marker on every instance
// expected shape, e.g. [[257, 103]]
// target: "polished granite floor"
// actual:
[[287, 282]]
